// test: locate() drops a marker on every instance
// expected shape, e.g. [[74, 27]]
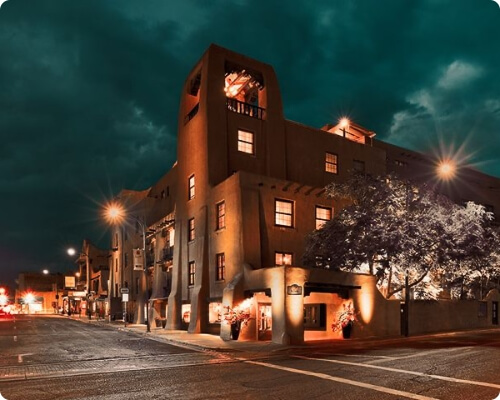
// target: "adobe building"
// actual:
[[228, 222]]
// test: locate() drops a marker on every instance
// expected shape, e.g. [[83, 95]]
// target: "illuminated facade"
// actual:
[[229, 220]]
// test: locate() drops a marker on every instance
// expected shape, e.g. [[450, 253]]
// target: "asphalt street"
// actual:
[[58, 358]]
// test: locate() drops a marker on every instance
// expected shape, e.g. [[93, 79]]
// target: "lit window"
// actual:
[[283, 213], [221, 267], [358, 166], [400, 163], [315, 317], [191, 230], [221, 215], [192, 273], [191, 187], [283, 258], [323, 215], [331, 163], [245, 141]]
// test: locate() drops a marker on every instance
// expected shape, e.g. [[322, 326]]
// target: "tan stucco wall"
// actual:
[[449, 315]]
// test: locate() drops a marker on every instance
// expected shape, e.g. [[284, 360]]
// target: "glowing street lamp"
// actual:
[[344, 124], [116, 214], [446, 169], [45, 271]]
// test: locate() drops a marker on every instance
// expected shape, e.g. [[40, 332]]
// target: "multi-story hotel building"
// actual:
[[229, 220]]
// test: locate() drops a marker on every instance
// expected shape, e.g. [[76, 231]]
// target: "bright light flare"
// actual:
[[45, 271], [3, 299], [114, 213], [344, 122], [71, 251], [446, 169], [29, 298]]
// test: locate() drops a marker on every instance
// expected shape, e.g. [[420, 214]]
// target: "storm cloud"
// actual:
[[89, 92]]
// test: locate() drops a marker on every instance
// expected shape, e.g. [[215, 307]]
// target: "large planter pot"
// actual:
[[235, 330], [346, 330]]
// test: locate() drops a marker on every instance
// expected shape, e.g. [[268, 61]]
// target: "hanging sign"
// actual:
[[138, 260]]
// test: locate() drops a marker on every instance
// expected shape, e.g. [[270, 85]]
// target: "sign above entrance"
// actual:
[[294, 290]]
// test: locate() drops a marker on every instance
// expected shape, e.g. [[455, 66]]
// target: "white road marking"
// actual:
[[345, 381], [403, 371], [421, 354]]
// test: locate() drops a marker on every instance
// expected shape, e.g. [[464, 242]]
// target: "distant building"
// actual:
[[228, 222], [39, 293]]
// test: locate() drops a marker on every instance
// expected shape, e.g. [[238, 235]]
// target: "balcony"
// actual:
[[168, 253], [245, 108]]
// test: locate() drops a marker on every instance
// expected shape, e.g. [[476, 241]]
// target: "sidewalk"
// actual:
[[207, 342]]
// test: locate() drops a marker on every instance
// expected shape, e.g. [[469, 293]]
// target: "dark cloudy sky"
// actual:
[[89, 92]]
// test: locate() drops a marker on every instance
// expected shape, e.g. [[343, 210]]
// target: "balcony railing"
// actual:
[[245, 108], [168, 253]]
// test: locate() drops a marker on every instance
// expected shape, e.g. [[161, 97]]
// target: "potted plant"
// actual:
[[345, 320], [236, 317]]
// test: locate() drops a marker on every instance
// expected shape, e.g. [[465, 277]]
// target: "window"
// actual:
[[221, 215], [283, 258], [125, 258], [323, 215], [245, 141], [191, 187], [192, 272], [400, 163], [358, 166], [331, 163], [191, 230], [315, 317], [283, 215], [221, 267]]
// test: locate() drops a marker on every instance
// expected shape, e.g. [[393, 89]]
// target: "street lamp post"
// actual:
[[115, 213], [71, 251]]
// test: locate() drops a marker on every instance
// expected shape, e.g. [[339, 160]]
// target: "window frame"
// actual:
[[191, 230], [278, 221], [360, 163], [191, 187], [330, 166], [283, 255], [220, 267], [245, 143], [220, 220], [317, 310], [318, 219], [191, 273]]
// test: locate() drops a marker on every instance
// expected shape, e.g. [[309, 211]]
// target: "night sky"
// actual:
[[89, 93]]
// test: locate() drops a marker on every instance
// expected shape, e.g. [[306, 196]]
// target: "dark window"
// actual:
[[191, 273], [191, 230], [331, 163], [315, 317], [358, 166], [283, 215], [191, 187], [126, 260], [221, 267], [221, 215], [323, 215]]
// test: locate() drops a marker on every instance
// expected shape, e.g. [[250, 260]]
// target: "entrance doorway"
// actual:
[[264, 317]]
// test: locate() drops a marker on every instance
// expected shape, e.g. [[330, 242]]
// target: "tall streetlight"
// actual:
[[116, 214], [72, 252]]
